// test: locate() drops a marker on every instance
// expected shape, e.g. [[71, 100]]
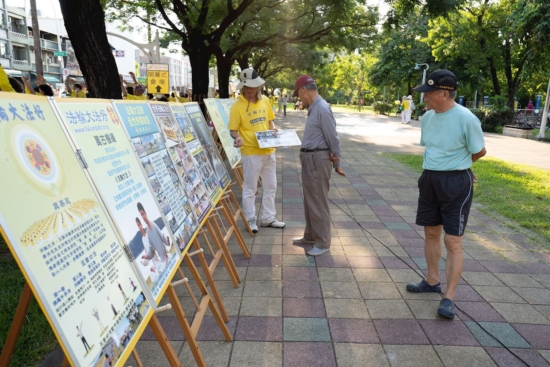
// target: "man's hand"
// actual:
[[238, 142], [340, 172], [333, 159]]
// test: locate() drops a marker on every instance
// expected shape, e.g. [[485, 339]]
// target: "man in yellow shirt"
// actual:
[[252, 113], [137, 92]]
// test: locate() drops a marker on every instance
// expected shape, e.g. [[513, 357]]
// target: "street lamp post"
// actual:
[[417, 67]]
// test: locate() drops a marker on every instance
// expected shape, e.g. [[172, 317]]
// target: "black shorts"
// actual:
[[445, 198]]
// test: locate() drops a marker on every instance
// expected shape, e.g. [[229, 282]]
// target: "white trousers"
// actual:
[[254, 167], [406, 116]]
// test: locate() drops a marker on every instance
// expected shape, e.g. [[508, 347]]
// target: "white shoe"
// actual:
[[253, 226], [274, 223], [317, 251]]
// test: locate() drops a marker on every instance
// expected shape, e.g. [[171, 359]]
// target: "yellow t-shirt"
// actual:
[[406, 105], [5, 85], [80, 94], [131, 97], [249, 118]]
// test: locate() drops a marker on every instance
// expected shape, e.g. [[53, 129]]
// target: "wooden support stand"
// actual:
[[190, 331]]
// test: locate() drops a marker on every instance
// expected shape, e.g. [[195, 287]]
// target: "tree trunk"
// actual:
[[85, 24], [36, 38], [199, 60], [224, 64]]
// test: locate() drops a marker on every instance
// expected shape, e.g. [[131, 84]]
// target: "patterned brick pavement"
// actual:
[[349, 307]]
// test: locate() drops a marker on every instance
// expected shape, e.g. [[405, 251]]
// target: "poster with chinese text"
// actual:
[[97, 131], [150, 148], [191, 175], [201, 155], [233, 153], [62, 239]]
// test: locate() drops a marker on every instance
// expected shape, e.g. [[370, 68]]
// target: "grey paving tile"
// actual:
[[263, 288], [346, 308], [500, 266], [478, 278], [379, 291], [424, 310], [401, 332], [252, 354], [264, 273], [267, 249], [300, 354], [464, 356], [505, 358], [503, 332], [520, 313], [402, 275], [362, 251], [306, 329], [371, 275], [498, 294], [412, 356], [301, 289], [388, 309], [262, 306], [353, 331], [340, 290], [369, 262], [299, 273], [303, 307], [332, 260], [210, 330], [479, 311], [351, 355], [534, 296], [335, 275], [215, 354], [260, 329], [518, 280], [298, 260]]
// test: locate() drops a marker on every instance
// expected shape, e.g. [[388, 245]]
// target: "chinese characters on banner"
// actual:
[[220, 120], [118, 176], [200, 128], [163, 176], [62, 238], [188, 171]]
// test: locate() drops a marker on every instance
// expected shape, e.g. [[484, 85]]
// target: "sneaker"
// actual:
[[317, 251], [253, 226], [274, 223], [302, 241]]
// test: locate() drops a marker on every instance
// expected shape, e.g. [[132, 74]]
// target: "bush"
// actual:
[[419, 111], [496, 119], [383, 108]]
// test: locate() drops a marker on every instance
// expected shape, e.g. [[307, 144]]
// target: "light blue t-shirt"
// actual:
[[450, 139]]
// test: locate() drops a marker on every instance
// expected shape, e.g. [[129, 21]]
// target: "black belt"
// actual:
[[303, 150]]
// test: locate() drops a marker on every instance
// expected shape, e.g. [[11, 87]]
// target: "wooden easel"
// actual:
[[23, 307]]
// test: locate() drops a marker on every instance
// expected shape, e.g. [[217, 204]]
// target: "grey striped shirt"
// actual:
[[320, 131]]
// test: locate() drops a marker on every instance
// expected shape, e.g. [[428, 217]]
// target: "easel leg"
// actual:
[[164, 342], [217, 237], [186, 328], [204, 291], [241, 213], [236, 231], [16, 325], [137, 359], [211, 282]]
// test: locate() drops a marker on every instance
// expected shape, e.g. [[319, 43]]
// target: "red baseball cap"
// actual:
[[302, 81]]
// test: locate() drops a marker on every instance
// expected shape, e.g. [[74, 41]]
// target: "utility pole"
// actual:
[[36, 38]]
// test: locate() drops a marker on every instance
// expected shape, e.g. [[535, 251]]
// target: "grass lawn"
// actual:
[[36, 338], [517, 192], [345, 107]]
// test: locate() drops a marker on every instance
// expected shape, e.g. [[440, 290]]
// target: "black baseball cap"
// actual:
[[440, 79]]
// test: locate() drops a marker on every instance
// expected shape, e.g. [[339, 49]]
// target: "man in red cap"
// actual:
[[453, 139], [320, 152]]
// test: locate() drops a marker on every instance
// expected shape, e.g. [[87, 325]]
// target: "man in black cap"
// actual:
[[319, 153], [453, 139]]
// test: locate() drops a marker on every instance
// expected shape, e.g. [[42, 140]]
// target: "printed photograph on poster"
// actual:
[[60, 234], [220, 124], [200, 128], [147, 144], [280, 138]]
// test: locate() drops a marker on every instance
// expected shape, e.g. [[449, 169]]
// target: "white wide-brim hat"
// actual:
[[250, 78]]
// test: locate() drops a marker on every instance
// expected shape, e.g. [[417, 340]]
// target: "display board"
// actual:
[[62, 239], [188, 171], [200, 144], [150, 148], [279, 138], [225, 108], [221, 121], [119, 178]]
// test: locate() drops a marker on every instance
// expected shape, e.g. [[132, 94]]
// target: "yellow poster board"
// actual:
[[62, 239]]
